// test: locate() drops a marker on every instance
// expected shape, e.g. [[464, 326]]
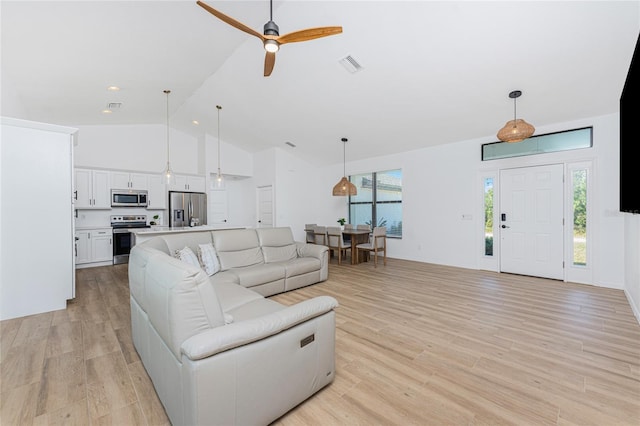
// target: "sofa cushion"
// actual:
[[301, 265], [208, 258], [237, 248], [187, 255], [232, 295], [181, 301], [277, 244], [190, 239], [250, 276]]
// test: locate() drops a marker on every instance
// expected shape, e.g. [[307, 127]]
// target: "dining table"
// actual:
[[358, 236]]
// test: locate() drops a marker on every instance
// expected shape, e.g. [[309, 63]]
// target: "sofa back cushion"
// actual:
[[192, 239], [237, 248], [179, 300], [277, 244]]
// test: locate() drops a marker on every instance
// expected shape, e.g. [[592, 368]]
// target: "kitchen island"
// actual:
[[143, 234]]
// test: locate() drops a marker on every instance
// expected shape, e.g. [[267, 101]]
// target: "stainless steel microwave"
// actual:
[[129, 198]]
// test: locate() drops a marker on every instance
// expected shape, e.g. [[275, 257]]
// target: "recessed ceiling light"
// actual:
[[113, 88], [195, 122], [106, 111]]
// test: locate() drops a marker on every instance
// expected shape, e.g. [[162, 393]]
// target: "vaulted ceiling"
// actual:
[[432, 72]]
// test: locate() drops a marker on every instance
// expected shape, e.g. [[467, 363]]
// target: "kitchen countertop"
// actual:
[[144, 234], [157, 230]]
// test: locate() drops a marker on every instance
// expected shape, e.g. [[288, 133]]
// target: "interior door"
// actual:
[[531, 221], [218, 206], [265, 206]]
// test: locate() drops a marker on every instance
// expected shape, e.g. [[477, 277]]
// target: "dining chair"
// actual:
[[347, 227], [378, 243], [320, 235], [336, 242], [308, 229]]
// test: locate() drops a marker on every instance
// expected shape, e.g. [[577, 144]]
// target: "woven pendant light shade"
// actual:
[[516, 131], [344, 188]]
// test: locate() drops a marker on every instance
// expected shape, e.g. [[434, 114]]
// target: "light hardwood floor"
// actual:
[[416, 344]]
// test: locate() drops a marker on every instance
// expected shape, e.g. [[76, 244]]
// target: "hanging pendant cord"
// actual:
[[271, 10], [344, 159], [219, 108], [167, 92]]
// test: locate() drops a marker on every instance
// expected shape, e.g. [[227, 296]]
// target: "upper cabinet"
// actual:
[[92, 189], [157, 198], [126, 180], [187, 183]]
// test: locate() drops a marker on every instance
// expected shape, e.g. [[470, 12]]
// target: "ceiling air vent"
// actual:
[[350, 64], [114, 105]]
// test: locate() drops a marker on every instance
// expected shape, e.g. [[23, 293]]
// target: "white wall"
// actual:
[[10, 105], [140, 148], [632, 261], [440, 184]]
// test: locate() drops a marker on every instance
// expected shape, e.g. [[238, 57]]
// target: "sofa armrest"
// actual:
[[311, 250], [229, 336]]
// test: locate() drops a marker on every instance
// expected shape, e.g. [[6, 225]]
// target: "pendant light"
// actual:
[[168, 174], [219, 180], [344, 187], [515, 130]]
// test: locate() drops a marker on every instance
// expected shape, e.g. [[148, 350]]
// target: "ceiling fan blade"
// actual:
[[230, 21], [308, 34], [269, 62]]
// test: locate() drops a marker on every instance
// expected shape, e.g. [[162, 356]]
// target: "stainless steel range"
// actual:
[[122, 236]]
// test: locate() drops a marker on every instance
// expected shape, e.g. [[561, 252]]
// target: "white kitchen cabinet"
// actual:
[[94, 245], [82, 247], [157, 196], [126, 180], [187, 183], [92, 189]]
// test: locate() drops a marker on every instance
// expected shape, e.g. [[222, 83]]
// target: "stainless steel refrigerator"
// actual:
[[187, 208]]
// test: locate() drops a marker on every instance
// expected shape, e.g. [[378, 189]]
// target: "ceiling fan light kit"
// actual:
[[344, 187], [515, 130], [271, 39]]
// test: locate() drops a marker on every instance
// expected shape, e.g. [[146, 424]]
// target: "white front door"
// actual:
[[265, 206], [531, 221]]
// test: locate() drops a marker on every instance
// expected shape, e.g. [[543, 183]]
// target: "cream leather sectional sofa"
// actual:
[[219, 352]]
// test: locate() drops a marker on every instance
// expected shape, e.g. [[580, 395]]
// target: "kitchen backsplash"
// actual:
[[100, 218]]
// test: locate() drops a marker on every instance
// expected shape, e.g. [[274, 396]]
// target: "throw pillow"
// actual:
[[187, 255], [209, 258]]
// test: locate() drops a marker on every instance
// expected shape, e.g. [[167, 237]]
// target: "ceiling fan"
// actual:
[[271, 39]]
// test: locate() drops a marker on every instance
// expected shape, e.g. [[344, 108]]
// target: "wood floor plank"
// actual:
[[18, 405], [62, 383], [63, 338], [22, 365], [109, 385], [99, 338]]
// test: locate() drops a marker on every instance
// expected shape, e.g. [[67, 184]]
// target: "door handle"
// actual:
[[505, 226]]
